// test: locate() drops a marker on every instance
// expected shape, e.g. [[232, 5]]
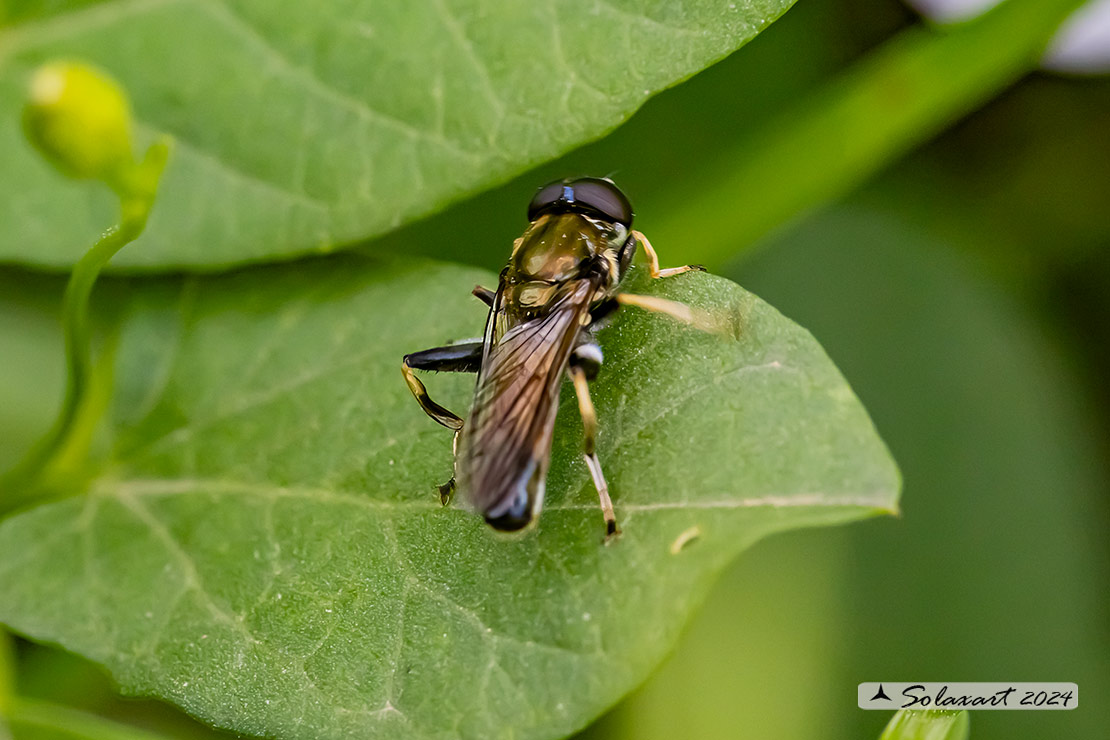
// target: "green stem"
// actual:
[[821, 149], [43, 715], [53, 455]]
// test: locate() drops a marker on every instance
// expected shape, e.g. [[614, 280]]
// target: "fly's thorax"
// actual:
[[531, 295], [566, 246]]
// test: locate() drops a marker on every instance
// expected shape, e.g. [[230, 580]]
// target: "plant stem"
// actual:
[[52, 454], [821, 149]]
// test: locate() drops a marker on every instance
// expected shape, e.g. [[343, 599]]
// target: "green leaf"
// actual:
[[56, 680], [907, 724], [266, 548], [946, 361], [913, 86], [301, 127], [34, 719], [7, 673], [7, 682]]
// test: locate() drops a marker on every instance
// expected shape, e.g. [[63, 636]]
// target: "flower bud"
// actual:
[[80, 119]]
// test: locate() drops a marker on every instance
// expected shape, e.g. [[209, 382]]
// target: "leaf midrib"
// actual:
[[157, 487]]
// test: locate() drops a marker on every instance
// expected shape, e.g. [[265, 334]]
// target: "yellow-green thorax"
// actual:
[[557, 248]]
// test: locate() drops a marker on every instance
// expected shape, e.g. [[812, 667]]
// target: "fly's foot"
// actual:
[[670, 271], [653, 260], [447, 491], [612, 532]]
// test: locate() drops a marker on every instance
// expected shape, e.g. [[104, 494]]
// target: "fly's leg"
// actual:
[[447, 490], [485, 295], [653, 260], [678, 311], [584, 364], [465, 357]]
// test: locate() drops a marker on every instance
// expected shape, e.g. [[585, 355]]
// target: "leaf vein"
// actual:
[[154, 487], [223, 13], [188, 567], [233, 171], [674, 402], [458, 33], [16, 37], [180, 434]]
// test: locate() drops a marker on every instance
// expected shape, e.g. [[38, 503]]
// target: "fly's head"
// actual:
[[577, 226]]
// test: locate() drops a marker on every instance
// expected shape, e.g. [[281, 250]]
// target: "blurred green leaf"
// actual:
[[764, 644], [912, 87], [32, 374], [51, 676], [301, 127], [266, 547], [907, 724], [33, 719], [7, 672], [1021, 183], [7, 682]]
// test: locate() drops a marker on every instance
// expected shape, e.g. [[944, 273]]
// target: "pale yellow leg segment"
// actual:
[[431, 408], [589, 427], [678, 311], [653, 260]]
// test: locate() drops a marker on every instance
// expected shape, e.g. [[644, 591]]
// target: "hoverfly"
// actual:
[[561, 282]]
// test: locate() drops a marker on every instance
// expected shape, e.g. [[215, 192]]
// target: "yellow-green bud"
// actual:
[[927, 724], [80, 118]]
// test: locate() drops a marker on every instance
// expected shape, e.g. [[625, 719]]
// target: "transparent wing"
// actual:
[[505, 443]]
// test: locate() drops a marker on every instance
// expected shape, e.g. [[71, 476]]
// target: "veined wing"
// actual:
[[505, 443]]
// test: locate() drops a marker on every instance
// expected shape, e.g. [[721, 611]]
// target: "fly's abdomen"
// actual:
[[505, 443]]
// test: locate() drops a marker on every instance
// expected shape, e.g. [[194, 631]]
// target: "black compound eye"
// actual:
[[593, 195], [603, 197], [549, 196]]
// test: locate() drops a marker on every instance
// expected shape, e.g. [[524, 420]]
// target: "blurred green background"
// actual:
[[964, 291]]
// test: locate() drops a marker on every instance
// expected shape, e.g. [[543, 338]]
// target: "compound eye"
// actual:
[[549, 195], [602, 196], [593, 195]]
